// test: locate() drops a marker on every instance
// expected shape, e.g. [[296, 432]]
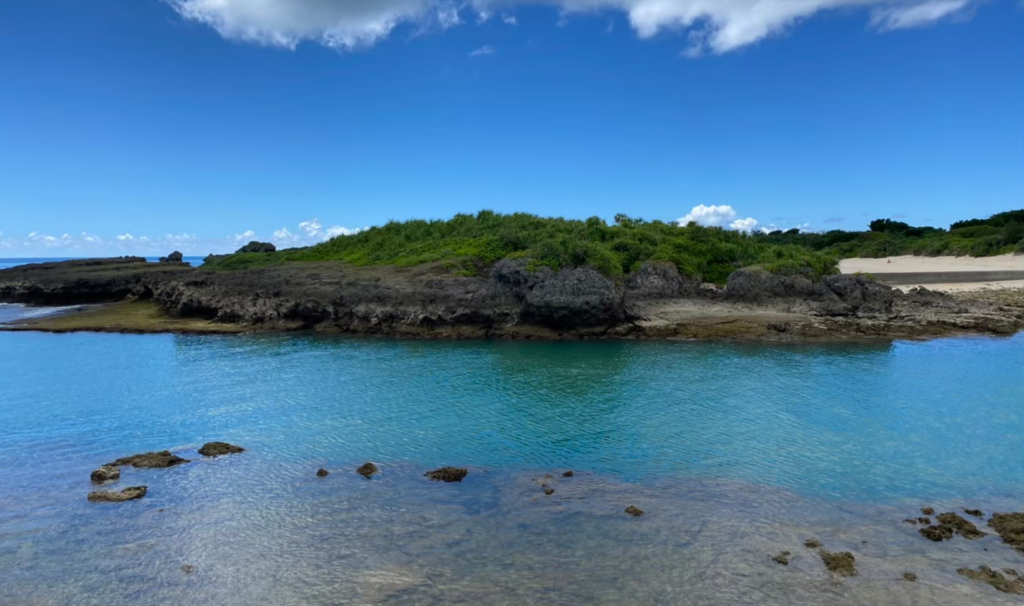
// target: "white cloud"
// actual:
[[347, 24], [925, 13], [312, 232], [483, 51], [125, 237], [510, 20], [748, 225], [245, 236], [709, 216]]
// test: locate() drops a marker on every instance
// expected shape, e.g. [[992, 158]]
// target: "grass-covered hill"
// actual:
[[468, 244]]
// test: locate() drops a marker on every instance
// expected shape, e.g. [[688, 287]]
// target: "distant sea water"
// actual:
[[734, 451], [14, 262]]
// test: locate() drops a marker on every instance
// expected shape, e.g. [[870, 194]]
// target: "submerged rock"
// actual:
[[937, 533], [909, 576], [928, 511], [366, 470], [840, 562], [973, 512], [187, 568], [782, 558], [568, 474], [1010, 527], [216, 449], [447, 474], [634, 511], [105, 473], [960, 525], [984, 574], [948, 524], [549, 491], [150, 460], [812, 543], [108, 496], [322, 473]]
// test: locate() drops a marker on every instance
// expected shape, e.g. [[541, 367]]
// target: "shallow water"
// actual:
[[735, 452]]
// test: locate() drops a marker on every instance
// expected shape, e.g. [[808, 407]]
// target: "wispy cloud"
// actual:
[[483, 51], [40, 244], [725, 25]]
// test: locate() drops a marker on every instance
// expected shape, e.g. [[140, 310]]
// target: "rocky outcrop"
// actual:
[[107, 496], [513, 300], [1010, 528], [948, 524], [257, 247], [216, 449], [106, 473], [174, 257], [150, 460], [634, 511], [447, 474], [986, 575]]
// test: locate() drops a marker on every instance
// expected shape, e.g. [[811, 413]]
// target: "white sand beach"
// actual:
[[914, 264], [910, 263]]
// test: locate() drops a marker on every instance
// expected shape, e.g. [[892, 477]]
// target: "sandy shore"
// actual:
[[915, 264], [912, 264]]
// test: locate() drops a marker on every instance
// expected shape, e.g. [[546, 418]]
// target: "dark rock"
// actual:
[[447, 474], [634, 511], [961, 526], [1011, 572], [840, 562], [106, 473], [910, 521], [782, 558], [188, 568], [216, 449], [928, 511], [549, 491], [924, 520], [659, 280], [322, 473], [974, 512], [257, 247], [150, 460], [366, 470], [812, 543], [1010, 527], [128, 494], [937, 533], [909, 576], [984, 574], [174, 257], [568, 474]]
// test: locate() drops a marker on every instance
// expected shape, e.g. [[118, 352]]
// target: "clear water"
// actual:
[[734, 451]]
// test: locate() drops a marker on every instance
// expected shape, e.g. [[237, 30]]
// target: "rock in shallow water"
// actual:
[[150, 460], [984, 574], [447, 474], [948, 524], [105, 473], [909, 576], [634, 511], [128, 494], [782, 558], [1010, 527], [367, 470], [812, 543], [322, 473], [840, 562], [216, 449]]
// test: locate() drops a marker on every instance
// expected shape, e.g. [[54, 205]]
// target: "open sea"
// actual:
[[735, 452]]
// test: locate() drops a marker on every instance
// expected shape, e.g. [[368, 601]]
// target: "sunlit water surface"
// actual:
[[735, 452]]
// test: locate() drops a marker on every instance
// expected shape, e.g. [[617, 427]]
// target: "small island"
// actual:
[[526, 277]]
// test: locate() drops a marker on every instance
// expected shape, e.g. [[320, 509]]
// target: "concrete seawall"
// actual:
[[947, 277]]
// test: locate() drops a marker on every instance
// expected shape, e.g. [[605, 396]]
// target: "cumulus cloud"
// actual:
[[312, 232], [483, 51], [748, 225], [724, 25], [709, 216]]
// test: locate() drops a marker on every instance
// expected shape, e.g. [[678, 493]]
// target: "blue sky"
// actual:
[[198, 123]]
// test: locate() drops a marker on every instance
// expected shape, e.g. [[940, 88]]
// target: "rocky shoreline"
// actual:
[[505, 301]]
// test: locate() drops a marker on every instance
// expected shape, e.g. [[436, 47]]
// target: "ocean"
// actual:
[[734, 452]]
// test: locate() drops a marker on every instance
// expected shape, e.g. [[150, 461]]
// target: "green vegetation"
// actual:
[[468, 244]]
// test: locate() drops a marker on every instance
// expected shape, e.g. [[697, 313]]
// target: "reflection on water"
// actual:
[[736, 452]]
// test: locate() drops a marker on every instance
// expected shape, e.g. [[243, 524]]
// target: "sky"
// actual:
[[145, 126]]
